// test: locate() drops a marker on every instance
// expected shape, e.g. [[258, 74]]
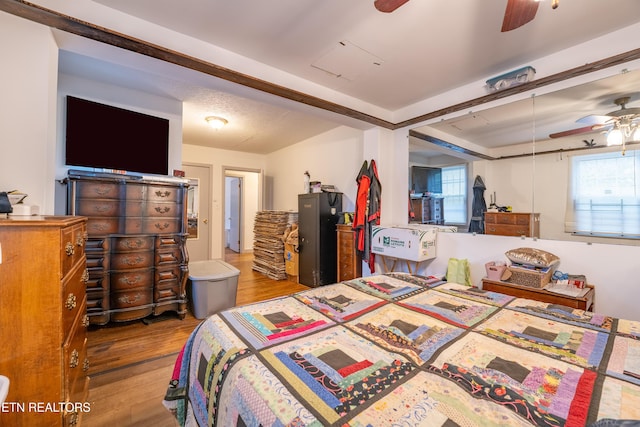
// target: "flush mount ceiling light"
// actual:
[[216, 122]]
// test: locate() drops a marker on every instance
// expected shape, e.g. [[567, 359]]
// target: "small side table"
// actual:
[[586, 302]]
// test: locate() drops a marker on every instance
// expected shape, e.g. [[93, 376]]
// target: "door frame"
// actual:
[[208, 229], [229, 171]]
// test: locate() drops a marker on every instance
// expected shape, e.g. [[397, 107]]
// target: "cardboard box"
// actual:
[[290, 260], [412, 243]]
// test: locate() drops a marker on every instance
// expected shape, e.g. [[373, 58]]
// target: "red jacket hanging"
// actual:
[[367, 211]]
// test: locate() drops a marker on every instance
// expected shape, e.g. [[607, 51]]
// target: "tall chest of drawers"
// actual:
[[43, 320], [349, 261], [136, 251]]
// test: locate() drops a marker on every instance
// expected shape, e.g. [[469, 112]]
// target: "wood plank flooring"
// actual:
[[131, 363]]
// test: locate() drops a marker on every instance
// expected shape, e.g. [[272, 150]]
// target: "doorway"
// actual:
[[242, 201]]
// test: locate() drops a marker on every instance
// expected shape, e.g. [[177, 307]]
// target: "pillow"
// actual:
[[531, 256]]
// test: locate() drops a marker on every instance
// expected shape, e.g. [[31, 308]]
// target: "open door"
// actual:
[[198, 211], [234, 184]]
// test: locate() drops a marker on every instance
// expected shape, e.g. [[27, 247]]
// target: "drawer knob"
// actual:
[[85, 276], [133, 260], [85, 365], [126, 299], [73, 360], [73, 418], [162, 210], [71, 302], [161, 227], [163, 193], [85, 321], [69, 249]]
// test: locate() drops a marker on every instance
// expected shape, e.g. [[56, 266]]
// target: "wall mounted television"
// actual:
[[426, 179], [107, 137]]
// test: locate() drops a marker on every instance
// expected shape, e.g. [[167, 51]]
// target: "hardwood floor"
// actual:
[[131, 363]]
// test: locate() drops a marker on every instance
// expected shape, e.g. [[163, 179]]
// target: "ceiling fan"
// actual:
[[519, 12], [624, 121]]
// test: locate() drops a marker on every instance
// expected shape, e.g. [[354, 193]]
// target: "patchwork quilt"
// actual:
[[398, 349]]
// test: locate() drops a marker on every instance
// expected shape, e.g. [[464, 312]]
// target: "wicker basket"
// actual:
[[531, 277]]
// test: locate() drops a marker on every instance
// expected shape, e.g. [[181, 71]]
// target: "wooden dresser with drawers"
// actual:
[[512, 224], [136, 251], [349, 261], [43, 321]]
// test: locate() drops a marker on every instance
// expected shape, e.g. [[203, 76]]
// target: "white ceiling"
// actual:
[[386, 61]]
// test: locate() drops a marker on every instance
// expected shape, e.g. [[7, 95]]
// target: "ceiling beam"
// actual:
[[91, 31]]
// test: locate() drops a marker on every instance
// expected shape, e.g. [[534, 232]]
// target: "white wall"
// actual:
[[28, 110], [334, 158], [611, 268]]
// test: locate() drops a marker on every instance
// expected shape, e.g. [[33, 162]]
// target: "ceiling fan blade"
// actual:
[[578, 131], [518, 13], [594, 119], [388, 6]]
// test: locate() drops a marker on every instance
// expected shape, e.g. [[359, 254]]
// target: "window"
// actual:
[[454, 191], [604, 195]]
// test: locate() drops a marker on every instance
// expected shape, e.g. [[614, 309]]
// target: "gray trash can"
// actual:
[[213, 285]]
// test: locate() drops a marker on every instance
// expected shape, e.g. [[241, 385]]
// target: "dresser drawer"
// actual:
[[522, 219], [97, 245], [97, 262], [164, 242], [75, 360], [165, 194], [168, 274], [131, 260], [153, 209], [507, 230], [108, 208], [98, 190], [131, 299], [102, 226], [166, 291], [125, 280], [346, 246], [97, 301], [73, 296], [132, 243], [153, 225], [73, 241], [171, 256]]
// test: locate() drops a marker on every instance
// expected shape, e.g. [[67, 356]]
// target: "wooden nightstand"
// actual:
[[586, 302]]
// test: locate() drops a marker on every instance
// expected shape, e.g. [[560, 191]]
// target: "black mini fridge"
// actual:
[[318, 214]]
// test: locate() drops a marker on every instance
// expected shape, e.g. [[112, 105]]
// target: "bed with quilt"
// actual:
[[400, 349]]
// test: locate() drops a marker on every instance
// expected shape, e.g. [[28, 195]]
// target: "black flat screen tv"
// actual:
[[426, 179], [107, 137]]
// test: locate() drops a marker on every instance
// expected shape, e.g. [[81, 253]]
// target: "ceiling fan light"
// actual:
[[614, 137], [635, 136]]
